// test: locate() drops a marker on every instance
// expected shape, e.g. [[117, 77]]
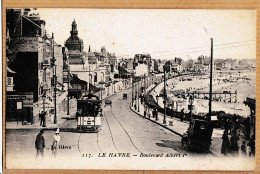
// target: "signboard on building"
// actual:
[[19, 105], [9, 81], [65, 77]]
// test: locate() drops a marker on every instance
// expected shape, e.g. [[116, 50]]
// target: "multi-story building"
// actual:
[[30, 55]]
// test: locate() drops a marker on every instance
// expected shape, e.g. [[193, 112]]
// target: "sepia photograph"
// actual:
[[130, 89]]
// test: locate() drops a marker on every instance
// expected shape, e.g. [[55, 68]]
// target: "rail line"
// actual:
[[98, 144], [125, 131], [110, 132]]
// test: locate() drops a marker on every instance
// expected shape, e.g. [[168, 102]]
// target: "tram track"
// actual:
[[110, 132], [98, 144], [125, 131]]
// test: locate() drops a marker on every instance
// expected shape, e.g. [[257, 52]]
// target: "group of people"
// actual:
[[155, 113], [231, 146], [40, 143]]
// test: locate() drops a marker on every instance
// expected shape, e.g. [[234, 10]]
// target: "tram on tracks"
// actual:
[[89, 113]]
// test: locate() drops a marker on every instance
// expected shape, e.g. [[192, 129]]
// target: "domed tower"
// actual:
[[75, 46], [74, 42]]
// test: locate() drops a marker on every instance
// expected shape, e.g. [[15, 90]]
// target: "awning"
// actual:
[[9, 70]]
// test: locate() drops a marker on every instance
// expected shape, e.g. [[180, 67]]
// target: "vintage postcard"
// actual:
[[130, 89]]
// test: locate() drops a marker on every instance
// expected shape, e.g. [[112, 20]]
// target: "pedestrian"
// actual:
[[101, 112], [148, 113], [243, 148], [182, 114], [40, 144], [44, 119], [77, 115], [156, 114], [145, 111], [248, 149], [225, 148], [153, 112], [55, 143], [41, 118], [234, 143]]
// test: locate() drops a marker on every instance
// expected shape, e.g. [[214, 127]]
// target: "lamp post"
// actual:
[[43, 101], [191, 99]]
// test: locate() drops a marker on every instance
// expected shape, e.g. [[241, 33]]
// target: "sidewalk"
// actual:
[[62, 117], [179, 127]]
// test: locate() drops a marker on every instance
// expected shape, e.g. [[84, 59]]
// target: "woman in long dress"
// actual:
[[225, 148]]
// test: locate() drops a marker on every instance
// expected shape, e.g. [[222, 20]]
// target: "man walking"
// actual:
[[55, 143], [44, 119], [41, 118], [40, 144]]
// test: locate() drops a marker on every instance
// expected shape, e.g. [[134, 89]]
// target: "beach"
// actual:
[[243, 83]]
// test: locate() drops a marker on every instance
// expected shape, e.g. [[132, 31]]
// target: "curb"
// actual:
[[155, 122]]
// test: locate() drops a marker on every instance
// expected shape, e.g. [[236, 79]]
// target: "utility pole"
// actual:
[[132, 91], [68, 100], [164, 91], [138, 94], [89, 79], [54, 80], [210, 89]]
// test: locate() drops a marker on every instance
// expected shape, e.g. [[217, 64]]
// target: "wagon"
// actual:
[[108, 102], [198, 136]]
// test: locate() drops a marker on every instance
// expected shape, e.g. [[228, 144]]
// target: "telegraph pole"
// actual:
[[210, 89], [68, 104], [89, 79], [132, 91], [54, 80], [164, 100]]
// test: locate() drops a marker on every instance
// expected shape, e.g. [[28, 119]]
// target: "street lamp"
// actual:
[[191, 99]]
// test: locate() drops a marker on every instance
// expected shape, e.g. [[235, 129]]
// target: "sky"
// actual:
[[164, 34]]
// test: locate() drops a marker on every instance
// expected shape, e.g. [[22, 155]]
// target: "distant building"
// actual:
[[75, 47]]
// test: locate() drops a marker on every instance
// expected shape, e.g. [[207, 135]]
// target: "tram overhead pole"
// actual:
[[210, 85]]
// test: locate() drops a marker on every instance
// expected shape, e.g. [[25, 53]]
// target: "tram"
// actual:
[[88, 113]]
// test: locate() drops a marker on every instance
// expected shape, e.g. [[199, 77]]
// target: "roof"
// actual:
[[75, 52], [77, 60], [74, 39]]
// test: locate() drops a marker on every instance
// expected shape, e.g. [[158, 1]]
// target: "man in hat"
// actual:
[[55, 143], [40, 144]]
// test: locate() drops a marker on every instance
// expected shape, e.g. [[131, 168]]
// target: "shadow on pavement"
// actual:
[[176, 145]]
